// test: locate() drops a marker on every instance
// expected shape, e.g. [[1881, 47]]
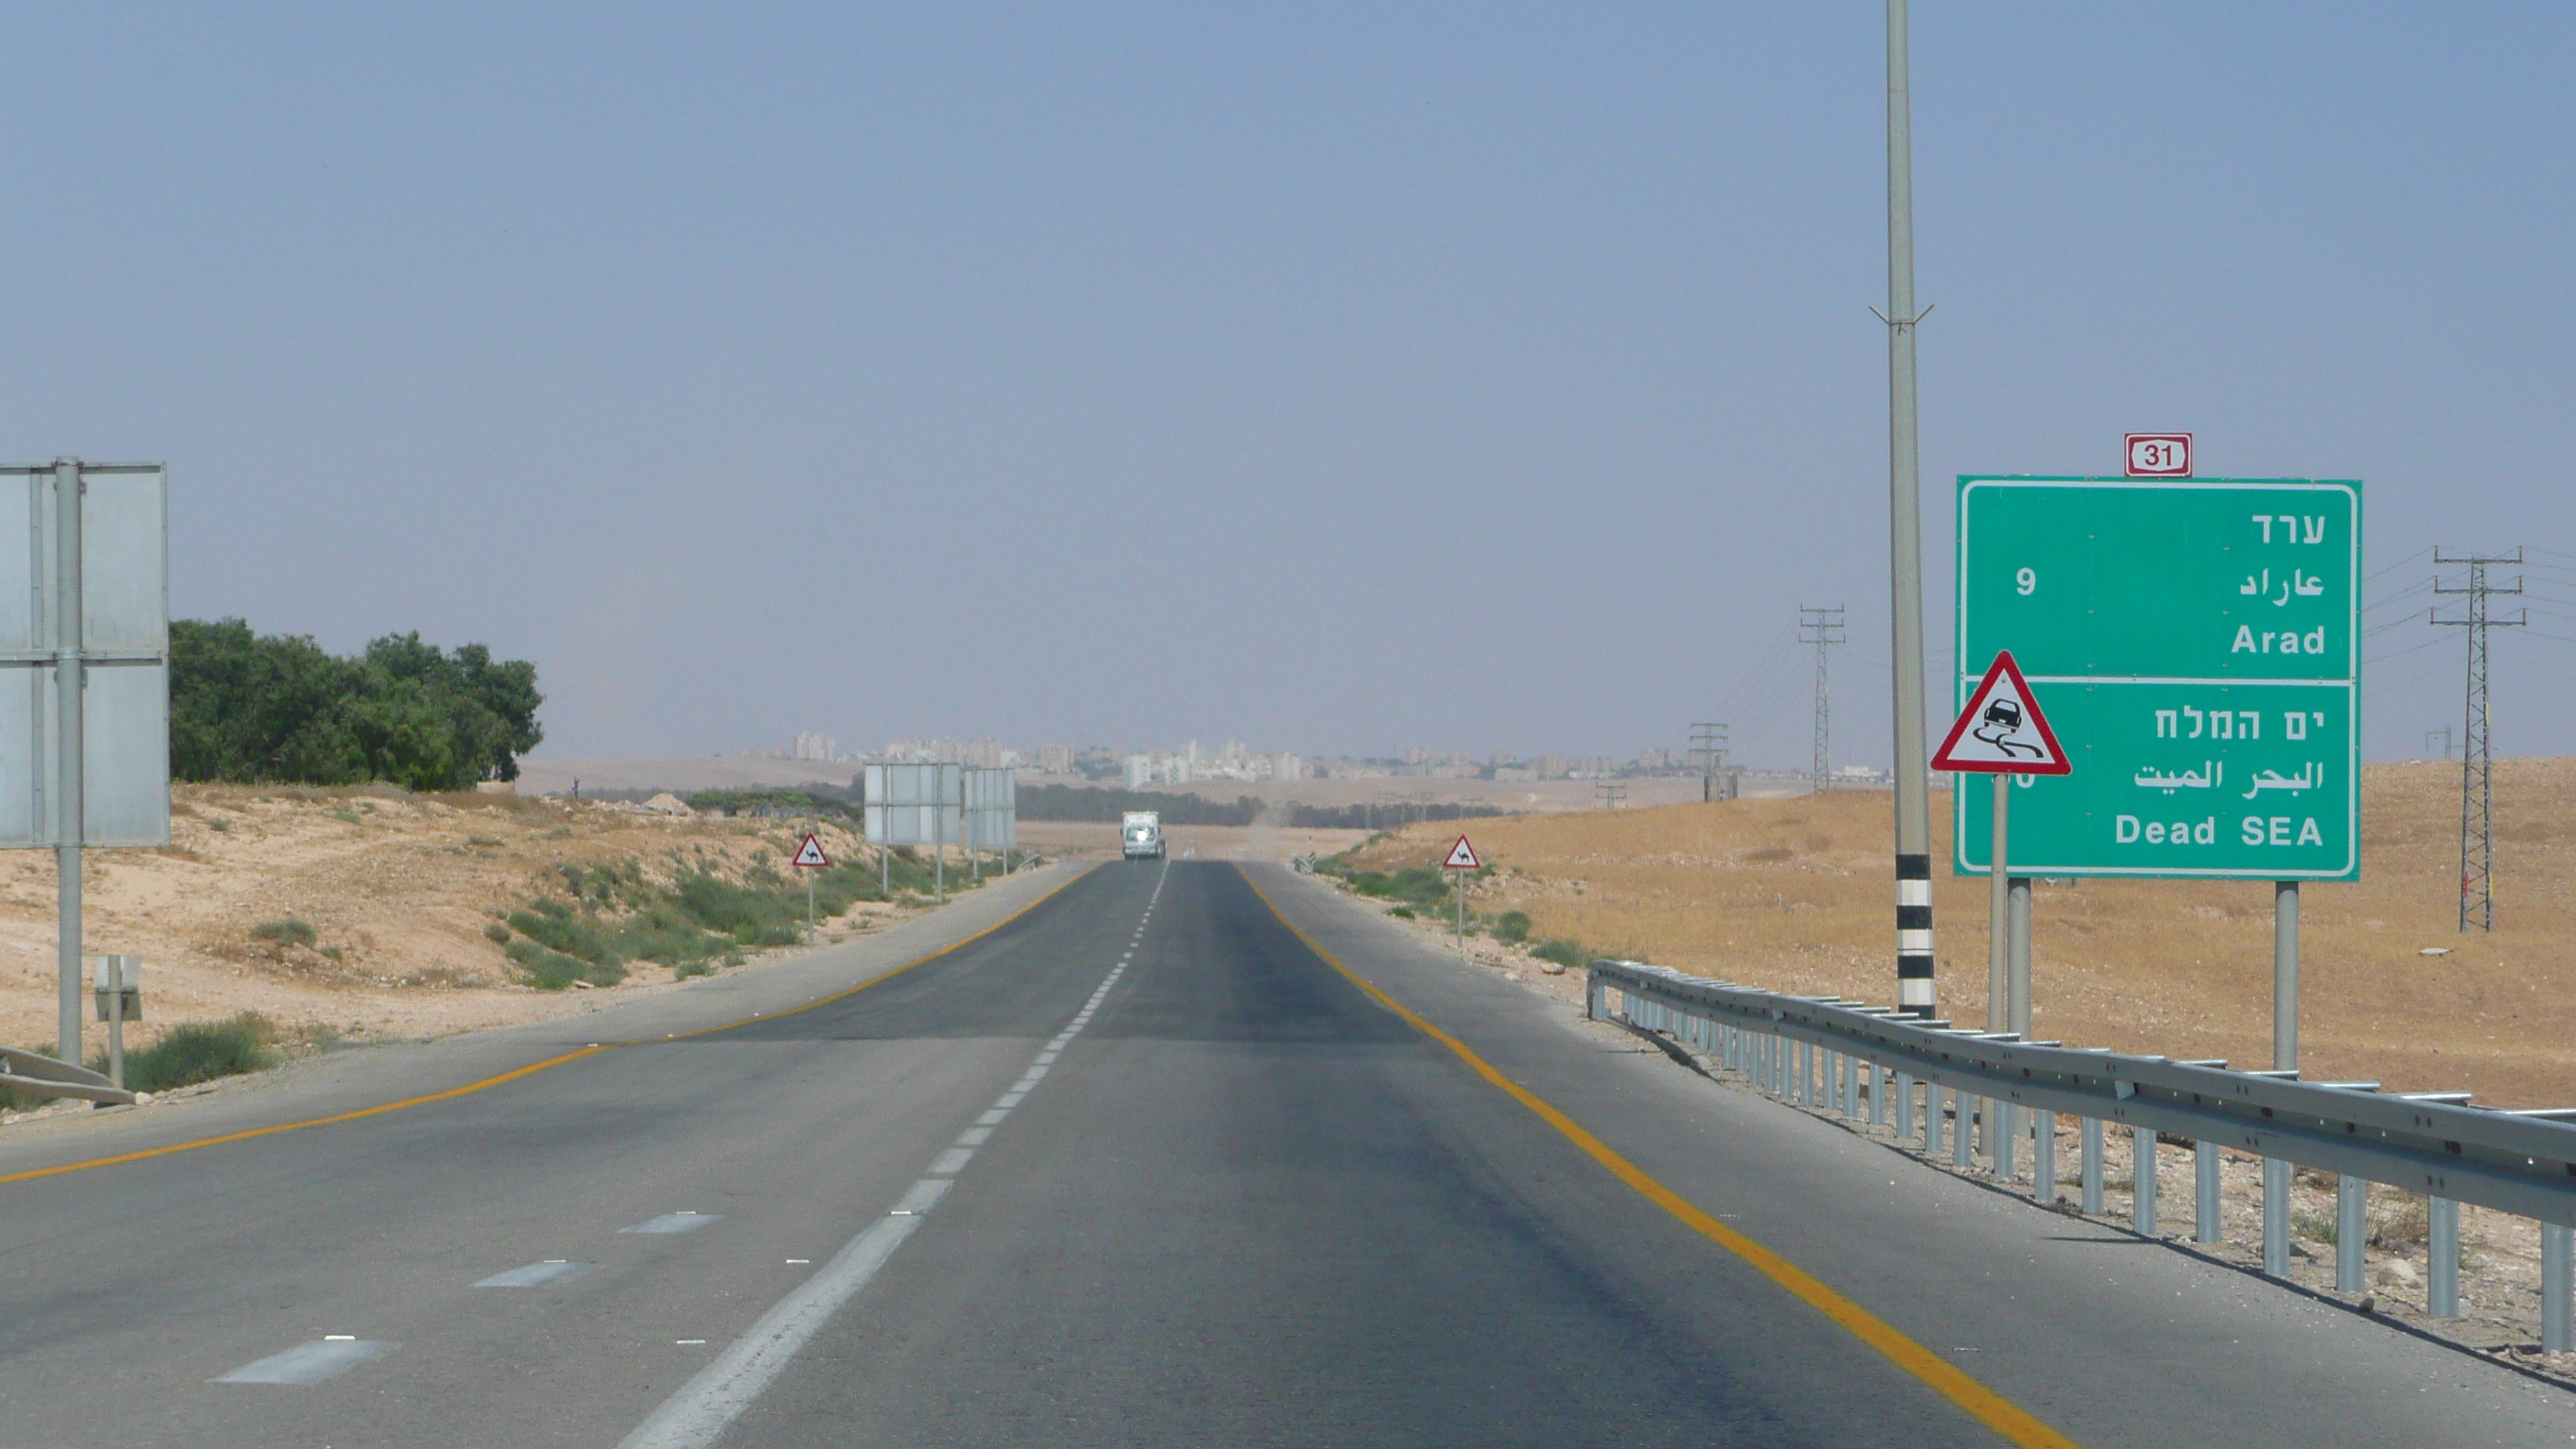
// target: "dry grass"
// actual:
[[1795, 895]]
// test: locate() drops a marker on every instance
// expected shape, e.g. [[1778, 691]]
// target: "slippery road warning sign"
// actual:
[[1462, 856], [810, 855], [2001, 731]]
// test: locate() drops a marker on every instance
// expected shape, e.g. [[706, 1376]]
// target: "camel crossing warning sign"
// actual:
[[810, 855]]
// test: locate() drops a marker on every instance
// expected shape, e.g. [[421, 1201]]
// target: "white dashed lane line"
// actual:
[[552, 1270], [310, 1363], [681, 1222], [696, 1415]]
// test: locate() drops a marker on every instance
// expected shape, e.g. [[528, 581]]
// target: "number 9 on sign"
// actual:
[[2026, 583]]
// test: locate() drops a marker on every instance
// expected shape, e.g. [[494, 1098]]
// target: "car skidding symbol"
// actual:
[[2002, 720]]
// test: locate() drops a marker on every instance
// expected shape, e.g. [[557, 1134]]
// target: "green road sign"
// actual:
[[2197, 645]]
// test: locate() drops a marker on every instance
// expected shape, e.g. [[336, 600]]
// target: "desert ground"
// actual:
[[1794, 895], [397, 888]]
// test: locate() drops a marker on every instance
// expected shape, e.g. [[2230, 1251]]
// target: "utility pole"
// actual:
[[2477, 766], [1822, 627], [2439, 739], [1911, 768], [1612, 795], [1708, 741]]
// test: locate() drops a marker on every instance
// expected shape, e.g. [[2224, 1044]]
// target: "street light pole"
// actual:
[[1914, 987]]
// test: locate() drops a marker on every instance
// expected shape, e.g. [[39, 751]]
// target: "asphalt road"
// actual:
[[1136, 1167]]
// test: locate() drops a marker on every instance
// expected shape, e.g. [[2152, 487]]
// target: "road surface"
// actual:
[[1136, 1165]]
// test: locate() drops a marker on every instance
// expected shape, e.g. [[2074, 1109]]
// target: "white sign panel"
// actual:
[[914, 804], [125, 642], [992, 809]]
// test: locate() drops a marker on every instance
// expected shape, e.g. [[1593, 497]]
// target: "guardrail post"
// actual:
[[1999, 1138], [2091, 1201], [1903, 1126], [1963, 1130], [1806, 1073], [2557, 1288], [2276, 1217], [1931, 1118], [1594, 1006], [2352, 1230], [1833, 1064], [2204, 1199], [2043, 1154], [1877, 1093], [2142, 1181], [2442, 1258]]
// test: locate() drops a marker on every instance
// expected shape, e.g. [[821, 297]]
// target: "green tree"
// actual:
[[277, 708]]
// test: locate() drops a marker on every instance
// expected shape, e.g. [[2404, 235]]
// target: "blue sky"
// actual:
[[1335, 377]]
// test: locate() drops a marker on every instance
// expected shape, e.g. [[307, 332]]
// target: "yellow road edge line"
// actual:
[[516, 1073], [2016, 1424]]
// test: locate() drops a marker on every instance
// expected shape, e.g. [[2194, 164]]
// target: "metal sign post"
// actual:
[[2003, 732], [1462, 859], [810, 858], [2201, 638], [914, 805], [85, 739]]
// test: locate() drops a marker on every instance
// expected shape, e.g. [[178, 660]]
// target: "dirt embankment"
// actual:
[[403, 894], [1795, 895]]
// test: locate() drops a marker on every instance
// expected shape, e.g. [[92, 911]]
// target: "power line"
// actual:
[[1822, 627], [2477, 763]]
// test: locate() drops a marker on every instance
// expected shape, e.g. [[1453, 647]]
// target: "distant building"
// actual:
[[1056, 759], [1551, 766], [815, 747]]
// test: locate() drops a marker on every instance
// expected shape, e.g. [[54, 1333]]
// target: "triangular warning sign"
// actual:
[[1462, 856], [810, 855], [2002, 732]]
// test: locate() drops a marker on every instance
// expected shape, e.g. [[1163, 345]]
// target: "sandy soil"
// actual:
[[1794, 895], [397, 887]]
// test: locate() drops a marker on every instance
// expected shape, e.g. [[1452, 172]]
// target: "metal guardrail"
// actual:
[[2433, 1143], [38, 1075]]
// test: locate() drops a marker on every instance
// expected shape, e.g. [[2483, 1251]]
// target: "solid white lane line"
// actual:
[[309, 1363], [674, 1223], [553, 1270], [693, 1417], [922, 1196]]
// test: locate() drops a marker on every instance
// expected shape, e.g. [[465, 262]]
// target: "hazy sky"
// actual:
[[1335, 377]]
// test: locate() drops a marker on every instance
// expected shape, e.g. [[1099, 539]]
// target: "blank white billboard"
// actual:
[[125, 644]]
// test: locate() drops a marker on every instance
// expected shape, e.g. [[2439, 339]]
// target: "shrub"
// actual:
[[1512, 927], [1564, 953], [1402, 913], [198, 1051], [498, 933], [288, 932], [550, 970], [550, 923]]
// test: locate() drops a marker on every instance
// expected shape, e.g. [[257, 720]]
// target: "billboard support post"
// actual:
[[69, 738]]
